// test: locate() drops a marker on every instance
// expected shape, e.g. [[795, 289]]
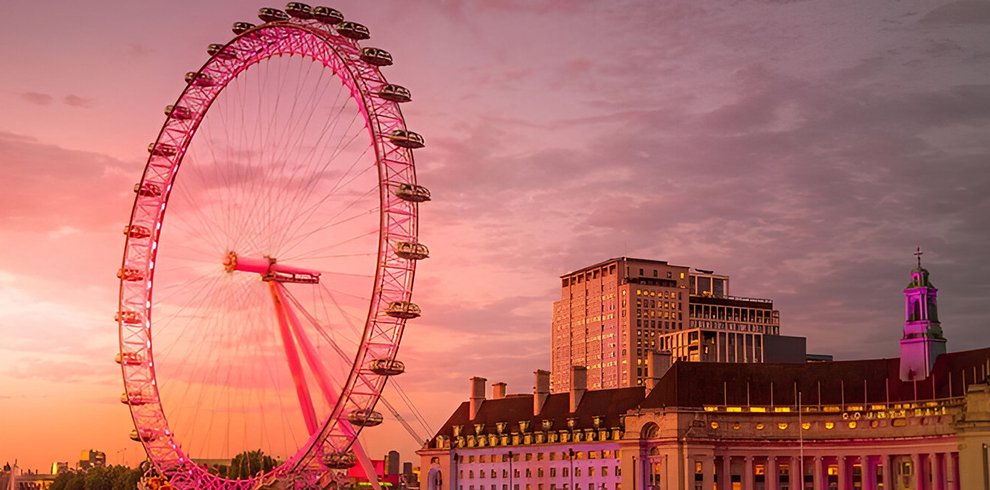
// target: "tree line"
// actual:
[[116, 477]]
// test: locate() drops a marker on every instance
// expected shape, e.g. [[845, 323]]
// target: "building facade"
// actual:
[[842, 425], [611, 315]]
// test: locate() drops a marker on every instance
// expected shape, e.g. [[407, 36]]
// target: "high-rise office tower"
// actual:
[[613, 314]]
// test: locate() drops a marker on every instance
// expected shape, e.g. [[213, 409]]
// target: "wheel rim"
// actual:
[[146, 314]]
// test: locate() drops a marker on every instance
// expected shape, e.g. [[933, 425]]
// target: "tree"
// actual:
[[98, 478], [249, 463], [69, 480], [125, 478]]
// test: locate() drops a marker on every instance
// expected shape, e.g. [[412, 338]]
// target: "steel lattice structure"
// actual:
[[333, 46]]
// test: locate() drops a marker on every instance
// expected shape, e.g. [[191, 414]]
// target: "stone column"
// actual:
[[868, 470], [748, 473], [725, 476], [952, 470], [818, 473], [770, 477], [707, 471], [919, 479], [844, 474], [886, 472]]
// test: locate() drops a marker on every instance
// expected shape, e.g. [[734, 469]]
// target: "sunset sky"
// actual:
[[805, 148]]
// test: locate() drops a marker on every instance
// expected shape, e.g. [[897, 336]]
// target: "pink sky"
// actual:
[[804, 148]]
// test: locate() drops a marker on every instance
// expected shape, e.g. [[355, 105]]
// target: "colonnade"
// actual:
[[822, 471]]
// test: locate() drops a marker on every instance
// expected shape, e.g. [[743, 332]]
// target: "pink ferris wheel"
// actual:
[[265, 313]]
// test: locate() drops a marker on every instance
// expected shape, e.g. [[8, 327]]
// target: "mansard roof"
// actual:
[[696, 384], [607, 405]]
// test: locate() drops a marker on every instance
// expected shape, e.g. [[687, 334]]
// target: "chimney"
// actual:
[[657, 364], [477, 396], [541, 391], [498, 391], [579, 385]]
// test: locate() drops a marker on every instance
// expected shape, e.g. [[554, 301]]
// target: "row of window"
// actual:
[[551, 486], [564, 472], [540, 456]]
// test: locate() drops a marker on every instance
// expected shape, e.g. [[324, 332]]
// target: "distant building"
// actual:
[[92, 458], [392, 463], [59, 467], [13, 478], [612, 314], [840, 425]]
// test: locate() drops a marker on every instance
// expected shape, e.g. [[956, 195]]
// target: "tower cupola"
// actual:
[[922, 341]]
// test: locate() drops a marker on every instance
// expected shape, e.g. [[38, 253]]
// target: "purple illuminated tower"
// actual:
[[923, 340]]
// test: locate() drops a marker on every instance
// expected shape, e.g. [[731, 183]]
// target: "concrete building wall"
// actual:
[[785, 349]]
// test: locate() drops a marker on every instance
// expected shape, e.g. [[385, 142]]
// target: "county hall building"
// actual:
[[920, 421]]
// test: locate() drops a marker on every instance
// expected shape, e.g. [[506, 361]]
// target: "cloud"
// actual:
[[959, 13], [63, 231], [48, 186], [77, 101], [37, 98]]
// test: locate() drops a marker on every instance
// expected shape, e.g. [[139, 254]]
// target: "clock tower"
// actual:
[[922, 341]]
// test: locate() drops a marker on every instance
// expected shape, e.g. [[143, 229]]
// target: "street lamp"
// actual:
[[510, 470], [570, 456]]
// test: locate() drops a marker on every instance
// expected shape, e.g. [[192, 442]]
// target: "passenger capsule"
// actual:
[[403, 309], [412, 193], [199, 79], [128, 317], [148, 189], [327, 15], [340, 461], [376, 56], [218, 51], [406, 139], [145, 435], [137, 231], [178, 112], [134, 399], [128, 359], [387, 367], [269, 14], [353, 30], [395, 93], [241, 27], [412, 250], [161, 150], [299, 10], [130, 274], [365, 417]]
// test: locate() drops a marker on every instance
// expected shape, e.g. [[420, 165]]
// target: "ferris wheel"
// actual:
[[266, 312]]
